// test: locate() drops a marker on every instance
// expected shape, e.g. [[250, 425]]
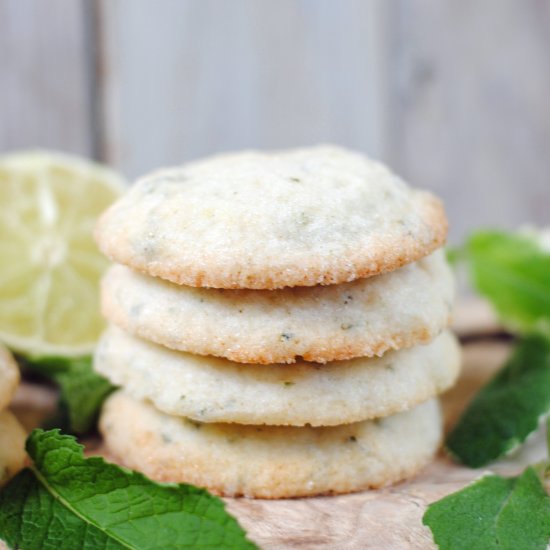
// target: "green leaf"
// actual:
[[543, 468], [455, 254], [82, 389], [513, 272], [507, 409], [66, 501], [493, 513]]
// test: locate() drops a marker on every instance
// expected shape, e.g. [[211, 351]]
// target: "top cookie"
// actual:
[[321, 215]]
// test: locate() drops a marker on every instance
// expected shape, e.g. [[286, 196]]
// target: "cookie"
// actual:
[[270, 462], [363, 318], [9, 376], [320, 215], [12, 446], [209, 389]]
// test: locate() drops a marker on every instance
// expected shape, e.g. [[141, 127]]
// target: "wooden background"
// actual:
[[454, 94]]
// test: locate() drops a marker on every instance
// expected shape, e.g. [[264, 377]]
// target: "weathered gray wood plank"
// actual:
[[454, 95], [184, 78], [44, 80], [469, 107]]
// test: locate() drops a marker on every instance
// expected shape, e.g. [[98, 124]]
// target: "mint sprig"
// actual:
[[82, 390], [66, 501], [512, 270], [493, 513], [507, 409]]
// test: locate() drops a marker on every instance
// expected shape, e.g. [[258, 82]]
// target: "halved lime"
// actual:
[[49, 264]]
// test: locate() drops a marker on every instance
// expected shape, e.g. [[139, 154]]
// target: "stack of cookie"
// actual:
[[277, 324], [12, 435]]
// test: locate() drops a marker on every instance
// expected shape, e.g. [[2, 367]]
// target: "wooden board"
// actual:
[[388, 518]]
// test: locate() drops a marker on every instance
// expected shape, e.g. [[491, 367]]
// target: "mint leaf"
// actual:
[[507, 409], [66, 501], [454, 254], [82, 389], [493, 513], [513, 272]]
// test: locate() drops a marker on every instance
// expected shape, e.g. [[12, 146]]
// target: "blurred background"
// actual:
[[454, 95]]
